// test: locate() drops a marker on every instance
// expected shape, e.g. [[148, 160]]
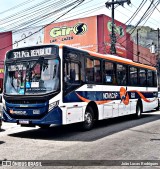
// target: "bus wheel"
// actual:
[[157, 108], [138, 111], [44, 126], [88, 119]]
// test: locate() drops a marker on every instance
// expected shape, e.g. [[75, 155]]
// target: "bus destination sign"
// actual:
[[31, 52]]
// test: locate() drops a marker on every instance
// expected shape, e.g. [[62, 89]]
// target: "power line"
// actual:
[[136, 12], [17, 6], [156, 6], [36, 9], [38, 19], [87, 11], [151, 12], [151, 18], [81, 1], [141, 19]]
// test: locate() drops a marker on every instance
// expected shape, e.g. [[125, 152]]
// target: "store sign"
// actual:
[[117, 29], [78, 29]]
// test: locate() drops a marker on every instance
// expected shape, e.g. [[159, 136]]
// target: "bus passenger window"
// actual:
[[89, 70], [121, 74], [97, 71], [149, 78], [109, 73], [154, 79], [142, 77], [133, 80], [72, 72]]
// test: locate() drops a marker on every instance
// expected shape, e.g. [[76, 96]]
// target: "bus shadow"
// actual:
[[2, 142], [1, 130], [73, 133]]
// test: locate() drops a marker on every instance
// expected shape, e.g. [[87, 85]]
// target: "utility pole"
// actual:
[[112, 35], [138, 45], [158, 60], [158, 45]]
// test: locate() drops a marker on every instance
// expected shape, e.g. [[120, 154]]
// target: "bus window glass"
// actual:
[[50, 75], [109, 73], [32, 77], [155, 79], [71, 72], [142, 77], [149, 78], [97, 71], [133, 81], [90, 70], [82, 65], [121, 74]]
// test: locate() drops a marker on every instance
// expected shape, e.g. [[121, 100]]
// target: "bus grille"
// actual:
[[27, 117], [26, 101]]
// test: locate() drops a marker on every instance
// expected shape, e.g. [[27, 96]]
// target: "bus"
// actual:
[[57, 85]]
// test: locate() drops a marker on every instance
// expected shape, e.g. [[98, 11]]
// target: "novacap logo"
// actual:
[[78, 29]]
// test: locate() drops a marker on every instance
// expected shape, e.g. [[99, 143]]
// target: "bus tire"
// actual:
[[157, 108], [88, 119], [44, 126], [138, 111]]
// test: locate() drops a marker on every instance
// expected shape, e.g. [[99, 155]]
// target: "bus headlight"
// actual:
[[53, 105]]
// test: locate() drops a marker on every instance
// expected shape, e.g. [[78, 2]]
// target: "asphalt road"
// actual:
[[123, 138]]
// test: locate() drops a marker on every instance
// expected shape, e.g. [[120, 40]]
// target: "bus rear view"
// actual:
[[32, 86]]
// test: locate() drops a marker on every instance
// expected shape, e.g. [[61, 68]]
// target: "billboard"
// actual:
[[104, 34], [80, 33], [28, 37]]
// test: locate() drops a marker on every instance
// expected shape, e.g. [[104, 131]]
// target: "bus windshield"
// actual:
[[32, 77]]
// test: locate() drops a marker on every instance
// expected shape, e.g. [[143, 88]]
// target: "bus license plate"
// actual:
[[23, 122]]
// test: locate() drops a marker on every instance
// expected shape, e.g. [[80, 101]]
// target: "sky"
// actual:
[[87, 8]]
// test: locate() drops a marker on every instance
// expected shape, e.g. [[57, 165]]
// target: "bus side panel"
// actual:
[[74, 114], [133, 104]]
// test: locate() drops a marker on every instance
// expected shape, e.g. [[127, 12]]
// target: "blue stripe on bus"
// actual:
[[102, 95]]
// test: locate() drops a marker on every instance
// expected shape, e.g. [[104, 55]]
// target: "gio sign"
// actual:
[[118, 29], [77, 29]]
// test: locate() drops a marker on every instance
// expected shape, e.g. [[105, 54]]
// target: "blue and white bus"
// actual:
[[58, 85]]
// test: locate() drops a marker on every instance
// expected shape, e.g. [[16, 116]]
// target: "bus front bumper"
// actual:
[[52, 117]]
